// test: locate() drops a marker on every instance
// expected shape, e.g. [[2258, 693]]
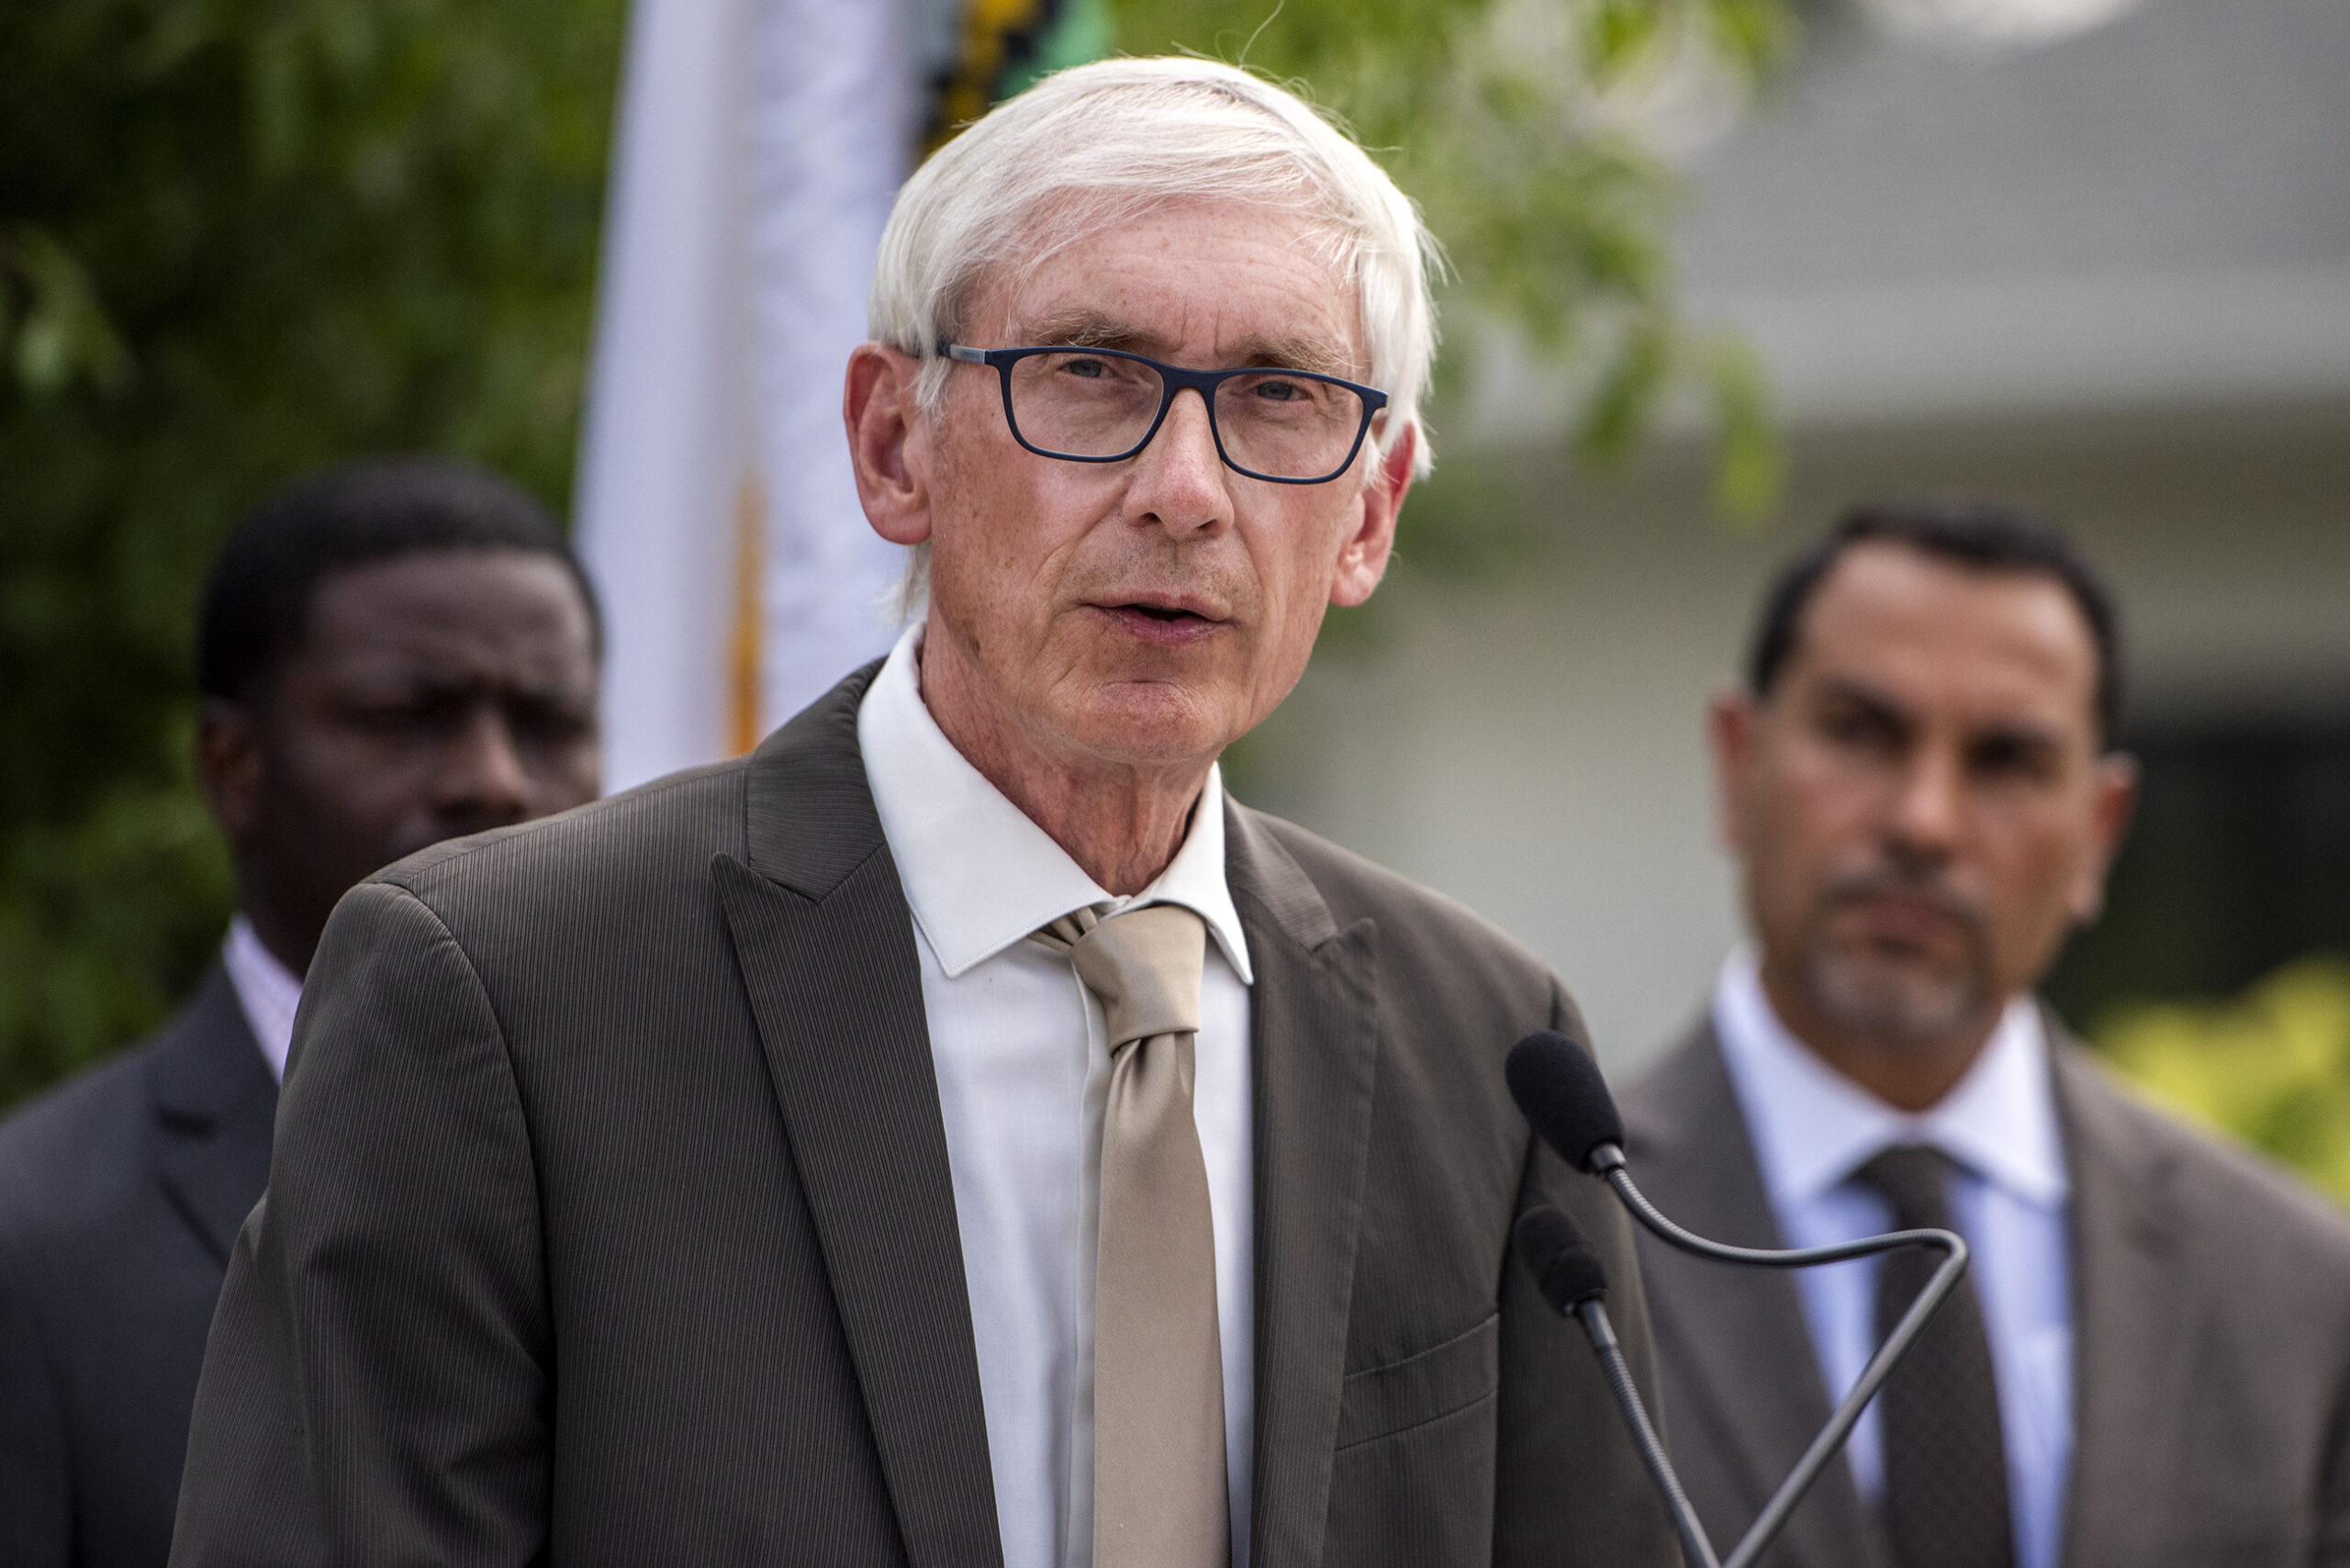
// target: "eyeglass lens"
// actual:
[[1272, 422]]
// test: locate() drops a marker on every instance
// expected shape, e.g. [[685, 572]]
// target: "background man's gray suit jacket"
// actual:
[[2210, 1339], [120, 1196], [610, 1220]]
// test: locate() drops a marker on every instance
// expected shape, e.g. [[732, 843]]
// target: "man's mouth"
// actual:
[[1163, 621], [1903, 922]]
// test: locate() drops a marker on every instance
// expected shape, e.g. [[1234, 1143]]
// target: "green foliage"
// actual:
[[1516, 125], [239, 238], [2271, 1068]]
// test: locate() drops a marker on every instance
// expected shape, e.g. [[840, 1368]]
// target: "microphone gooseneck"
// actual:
[[1560, 1089], [1569, 1275]]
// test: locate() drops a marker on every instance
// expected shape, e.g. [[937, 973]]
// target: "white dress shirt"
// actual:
[[1024, 1072], [267, 992], [1813, 1127]]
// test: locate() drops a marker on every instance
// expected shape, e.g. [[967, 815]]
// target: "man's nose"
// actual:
[[1928, 807], [1180, 481], [481, 781]]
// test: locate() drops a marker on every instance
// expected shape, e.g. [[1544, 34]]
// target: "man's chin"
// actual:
[[1896, 1001], [1148, 723]]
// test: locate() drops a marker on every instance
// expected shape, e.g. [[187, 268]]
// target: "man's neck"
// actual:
[[292, 941], [1909, 1075], [1121, 823]]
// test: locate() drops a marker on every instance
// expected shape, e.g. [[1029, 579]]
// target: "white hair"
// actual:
[[1089, 147]]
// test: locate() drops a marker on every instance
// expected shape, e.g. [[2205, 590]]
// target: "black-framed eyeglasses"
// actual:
[[1290, 426]]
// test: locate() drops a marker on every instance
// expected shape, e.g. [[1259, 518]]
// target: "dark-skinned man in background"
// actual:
[[2149, 1362], [390, 654]]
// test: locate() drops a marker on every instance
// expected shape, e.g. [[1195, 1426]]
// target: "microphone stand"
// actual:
[[1606, 1161], [1697, 1552]]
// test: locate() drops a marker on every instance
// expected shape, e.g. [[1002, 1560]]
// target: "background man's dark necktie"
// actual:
[[1945, 1467]]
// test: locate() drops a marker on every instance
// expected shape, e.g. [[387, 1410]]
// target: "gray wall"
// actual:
[[1529, 739], [2109, 278]]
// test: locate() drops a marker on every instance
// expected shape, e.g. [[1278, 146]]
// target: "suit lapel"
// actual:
[[215, 1104], [825, 942], [1314, 1054], [1748, 1355], [2131, 1321]]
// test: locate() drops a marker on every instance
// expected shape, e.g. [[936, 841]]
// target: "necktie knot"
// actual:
[[1914, 1180], [1145, 965]]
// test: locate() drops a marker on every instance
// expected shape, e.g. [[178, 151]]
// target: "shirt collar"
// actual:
[[267, 992], [978, 874], [1813, 1126]]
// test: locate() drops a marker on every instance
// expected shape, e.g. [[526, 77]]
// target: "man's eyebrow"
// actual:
[[2023, 734], [1881, 705], [1859, 693], [1299, 353], [1090, 329]]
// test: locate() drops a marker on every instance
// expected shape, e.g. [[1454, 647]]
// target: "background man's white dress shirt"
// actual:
[[1813, 1127], [1023, 1071], [267, 993]]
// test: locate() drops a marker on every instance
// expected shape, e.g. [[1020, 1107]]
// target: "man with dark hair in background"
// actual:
[[2149, 1360], [391, 653]]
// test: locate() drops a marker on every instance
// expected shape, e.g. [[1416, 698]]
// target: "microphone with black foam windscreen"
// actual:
[[1570, 1277], [1558, 1086]]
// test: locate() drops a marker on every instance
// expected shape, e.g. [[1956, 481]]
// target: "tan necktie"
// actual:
[[1159, 1493]]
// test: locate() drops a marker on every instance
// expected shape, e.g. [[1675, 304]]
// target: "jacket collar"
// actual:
[[1747, 1353], [215, 1104], [1314, 1052], [2132, 1316], [826, 945]]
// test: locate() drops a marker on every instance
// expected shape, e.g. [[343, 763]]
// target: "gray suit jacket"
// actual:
[[610, 1220], [2212, 1339], [120, 1196]]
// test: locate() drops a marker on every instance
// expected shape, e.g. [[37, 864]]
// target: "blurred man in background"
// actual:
[[2150, 1359], [392, 654]]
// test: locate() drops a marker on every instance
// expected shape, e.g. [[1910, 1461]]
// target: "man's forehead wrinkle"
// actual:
[[1296, 326]]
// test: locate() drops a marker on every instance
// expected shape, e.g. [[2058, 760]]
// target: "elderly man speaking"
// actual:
[[958, 1133]]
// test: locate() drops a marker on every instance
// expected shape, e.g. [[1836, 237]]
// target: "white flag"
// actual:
[[760, 144]]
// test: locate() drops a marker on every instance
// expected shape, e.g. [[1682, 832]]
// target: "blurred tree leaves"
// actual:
[[239, 238], [1529, 131], [2271, 1068]]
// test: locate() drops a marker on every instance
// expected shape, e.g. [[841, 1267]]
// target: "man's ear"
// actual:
[[2116, 787], [1731, 719], [229, 767], [887, 442], [1362, 560]]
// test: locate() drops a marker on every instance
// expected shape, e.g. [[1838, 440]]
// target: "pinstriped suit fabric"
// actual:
[[612, 1220], [894, 1257]]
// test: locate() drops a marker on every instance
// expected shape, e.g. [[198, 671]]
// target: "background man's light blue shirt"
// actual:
[[1813, 1127]]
